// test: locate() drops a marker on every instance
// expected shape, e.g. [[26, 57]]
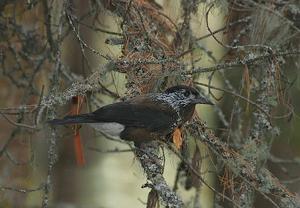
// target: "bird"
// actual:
[[145, 117]]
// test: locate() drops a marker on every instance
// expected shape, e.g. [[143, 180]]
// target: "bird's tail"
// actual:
[[74, 119]]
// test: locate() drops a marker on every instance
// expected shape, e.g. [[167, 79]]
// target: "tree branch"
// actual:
[[152, 163]]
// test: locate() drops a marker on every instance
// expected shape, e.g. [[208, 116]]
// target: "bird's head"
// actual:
[[182, 99], [182, 95]]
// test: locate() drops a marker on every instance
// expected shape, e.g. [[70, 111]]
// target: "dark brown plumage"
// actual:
[[144, 117]]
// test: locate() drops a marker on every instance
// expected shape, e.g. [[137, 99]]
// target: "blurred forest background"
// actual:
[[60, 57]]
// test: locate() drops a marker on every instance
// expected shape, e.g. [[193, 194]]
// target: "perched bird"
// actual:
[[145, 117]]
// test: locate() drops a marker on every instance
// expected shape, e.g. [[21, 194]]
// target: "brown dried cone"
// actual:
[[192, 180], [152, 201]]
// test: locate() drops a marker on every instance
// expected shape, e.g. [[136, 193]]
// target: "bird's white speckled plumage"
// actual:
[[176, 100]]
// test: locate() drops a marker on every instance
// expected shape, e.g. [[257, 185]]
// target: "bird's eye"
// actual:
[[187, 93]]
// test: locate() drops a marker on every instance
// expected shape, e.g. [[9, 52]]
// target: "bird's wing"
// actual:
[[138, 113]]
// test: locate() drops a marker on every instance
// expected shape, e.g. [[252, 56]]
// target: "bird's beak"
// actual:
[[202, 100]]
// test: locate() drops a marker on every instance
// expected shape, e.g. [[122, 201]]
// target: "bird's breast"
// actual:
[[187, 112]]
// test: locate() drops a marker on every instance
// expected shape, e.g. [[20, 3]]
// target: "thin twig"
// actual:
[[22, 190], [18, 124]]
